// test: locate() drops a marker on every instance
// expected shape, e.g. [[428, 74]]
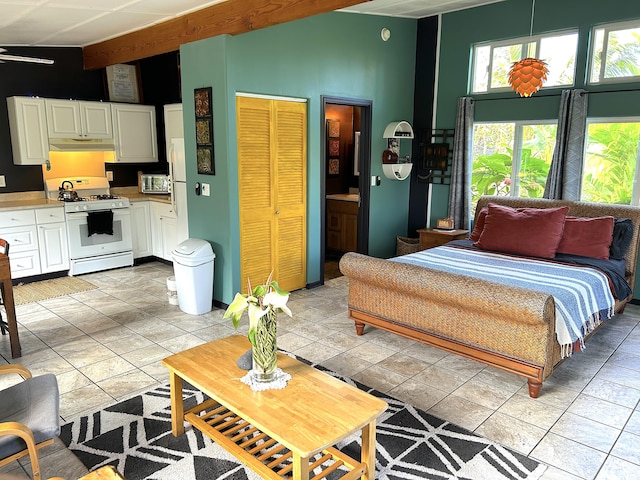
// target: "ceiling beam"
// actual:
[[231, 17]]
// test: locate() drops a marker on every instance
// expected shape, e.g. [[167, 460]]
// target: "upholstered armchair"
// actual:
[[29, 416]]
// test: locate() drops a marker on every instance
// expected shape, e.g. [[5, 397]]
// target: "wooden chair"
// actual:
[[4, 248], [29, 416]]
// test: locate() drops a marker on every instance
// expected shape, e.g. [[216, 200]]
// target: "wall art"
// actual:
[[334, 166], [333, 128], [202, 98]]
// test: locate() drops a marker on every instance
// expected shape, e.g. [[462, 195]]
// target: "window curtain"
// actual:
[[460, 189], [565, 174]]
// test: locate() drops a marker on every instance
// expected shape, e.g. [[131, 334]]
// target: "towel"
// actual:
[[100, 222]]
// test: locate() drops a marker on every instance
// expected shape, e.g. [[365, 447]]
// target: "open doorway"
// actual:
[[346, 157]]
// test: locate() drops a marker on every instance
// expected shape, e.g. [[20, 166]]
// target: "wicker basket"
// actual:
[[406, 245]]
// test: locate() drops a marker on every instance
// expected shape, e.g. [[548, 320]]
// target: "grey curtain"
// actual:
[[565, 174], [460, 189]]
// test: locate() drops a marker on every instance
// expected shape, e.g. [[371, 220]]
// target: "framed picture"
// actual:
[[204, 130], [333, 128], [202, 100], [122, 83], [204, 157], [334, 147], [334, 166]]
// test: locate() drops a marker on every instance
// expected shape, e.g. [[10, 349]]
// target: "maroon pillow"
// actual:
[[533, 232], [589, 237], [479, 225]]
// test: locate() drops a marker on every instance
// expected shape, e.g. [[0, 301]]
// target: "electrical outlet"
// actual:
[[3, 183], [205, 190], [110, 175]]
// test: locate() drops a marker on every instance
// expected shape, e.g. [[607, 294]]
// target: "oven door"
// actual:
[[82, 245]]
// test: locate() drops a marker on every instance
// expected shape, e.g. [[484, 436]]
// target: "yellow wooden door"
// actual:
[[272, 158]]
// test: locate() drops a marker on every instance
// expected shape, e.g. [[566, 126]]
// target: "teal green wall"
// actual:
[[336, 54], [510, 19]]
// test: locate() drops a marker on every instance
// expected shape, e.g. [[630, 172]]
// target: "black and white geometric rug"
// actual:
[[135, 437]]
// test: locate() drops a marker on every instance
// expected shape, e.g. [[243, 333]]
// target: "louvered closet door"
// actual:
[[272, 190]]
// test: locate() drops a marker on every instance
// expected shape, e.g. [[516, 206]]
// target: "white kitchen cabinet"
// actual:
[[52, 239], [141, 229], [37, 240], [54, 251], [134, 130], [164, 228], [28, 128], [80, 120]]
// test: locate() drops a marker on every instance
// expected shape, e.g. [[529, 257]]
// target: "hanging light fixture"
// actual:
[[527, 75]]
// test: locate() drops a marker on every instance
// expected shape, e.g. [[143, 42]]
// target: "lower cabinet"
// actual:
[[37, 240], [164, 230], [141, 229], [54, 252], [342, 225]]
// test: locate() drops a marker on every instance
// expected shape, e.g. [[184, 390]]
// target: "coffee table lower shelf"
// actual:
[[262, 453]]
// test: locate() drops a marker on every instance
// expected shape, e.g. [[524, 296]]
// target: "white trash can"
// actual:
[[193, 268]]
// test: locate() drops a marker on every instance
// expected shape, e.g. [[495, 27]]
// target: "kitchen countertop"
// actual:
[[345, 197], [13, 202]]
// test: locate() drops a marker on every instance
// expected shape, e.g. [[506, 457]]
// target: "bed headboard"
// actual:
[[580, 209]]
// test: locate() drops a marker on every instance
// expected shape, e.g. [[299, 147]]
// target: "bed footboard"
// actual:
[[506, 327]]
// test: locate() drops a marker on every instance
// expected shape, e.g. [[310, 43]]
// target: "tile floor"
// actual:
[[106, 344]]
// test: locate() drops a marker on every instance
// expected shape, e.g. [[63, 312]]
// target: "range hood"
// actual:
[[81, 145]]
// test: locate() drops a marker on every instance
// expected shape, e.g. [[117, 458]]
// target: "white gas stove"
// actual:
[[98, 223]]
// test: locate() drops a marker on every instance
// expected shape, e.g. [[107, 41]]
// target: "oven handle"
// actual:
[[116, 212]]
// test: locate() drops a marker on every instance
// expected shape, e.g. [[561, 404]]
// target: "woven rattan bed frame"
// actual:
[[506, 327]]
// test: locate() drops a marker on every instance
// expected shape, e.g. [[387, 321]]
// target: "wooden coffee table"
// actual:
[[275, 432]]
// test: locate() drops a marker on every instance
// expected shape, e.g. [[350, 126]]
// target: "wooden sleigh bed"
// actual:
[[506, 326]]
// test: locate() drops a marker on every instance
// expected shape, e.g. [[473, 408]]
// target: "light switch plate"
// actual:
[[205, 190]]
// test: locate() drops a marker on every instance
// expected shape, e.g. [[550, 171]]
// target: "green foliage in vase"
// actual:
[[259, 301]]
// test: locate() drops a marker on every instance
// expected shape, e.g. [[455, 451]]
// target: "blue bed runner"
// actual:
[[582, 295]]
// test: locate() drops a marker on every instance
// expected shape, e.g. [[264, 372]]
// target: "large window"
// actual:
[[615, 53], [492, 61], [511, 158], [611, 162]]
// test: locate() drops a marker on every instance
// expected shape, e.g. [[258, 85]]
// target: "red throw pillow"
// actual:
[[589, 237], [533, 232], [479, 225]]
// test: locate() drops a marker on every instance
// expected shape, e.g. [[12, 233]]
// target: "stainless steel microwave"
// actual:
[[155, 183]]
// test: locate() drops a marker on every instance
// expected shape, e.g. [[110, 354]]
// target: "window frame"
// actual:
[[524, 52], [607, 28]]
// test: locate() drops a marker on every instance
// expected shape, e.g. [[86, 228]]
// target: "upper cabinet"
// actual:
[[134, 131], [78, 119], [38, 125], [28, 127]]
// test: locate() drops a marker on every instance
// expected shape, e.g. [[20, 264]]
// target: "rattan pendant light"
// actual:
[[527, 76]]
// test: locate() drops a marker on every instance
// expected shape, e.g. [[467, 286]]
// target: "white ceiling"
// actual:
[[84, 22]]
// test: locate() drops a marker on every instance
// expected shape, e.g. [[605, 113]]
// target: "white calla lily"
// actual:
[[258, 302], [277, 300]]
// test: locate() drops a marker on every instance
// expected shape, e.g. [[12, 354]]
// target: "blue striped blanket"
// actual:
[[582, 295]]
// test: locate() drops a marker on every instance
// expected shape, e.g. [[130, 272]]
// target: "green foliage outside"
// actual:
[[493, 160], [609, 167], [610, 163]]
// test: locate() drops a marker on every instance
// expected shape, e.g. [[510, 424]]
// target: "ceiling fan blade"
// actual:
[[17, 58]]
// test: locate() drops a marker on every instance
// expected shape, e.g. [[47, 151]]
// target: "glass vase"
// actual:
[[265, 350]]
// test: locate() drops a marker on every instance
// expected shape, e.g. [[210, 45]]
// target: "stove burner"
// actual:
[[73, 199], [104, 196]]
